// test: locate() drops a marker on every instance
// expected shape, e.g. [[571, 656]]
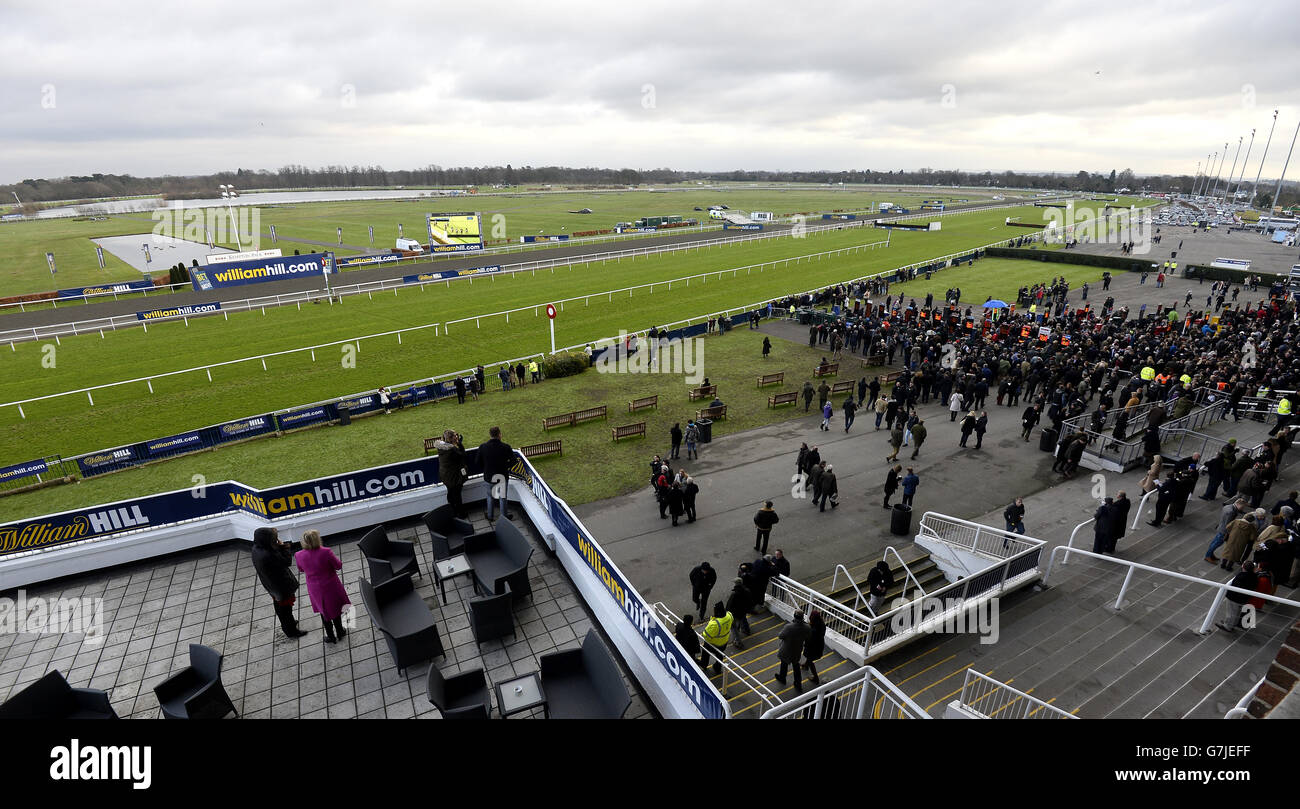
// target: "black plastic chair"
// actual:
[[464, 696], [448, 531], [196, 692], [52, 698], [584, 683], [403, 618], [492, 617], [388, 558]]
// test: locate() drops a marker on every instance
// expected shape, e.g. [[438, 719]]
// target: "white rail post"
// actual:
[[1119, 601]]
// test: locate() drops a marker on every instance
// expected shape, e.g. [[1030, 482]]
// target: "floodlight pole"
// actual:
[[1214, 193], [1281, 177], [1254, 189], [1232, 170], [1242, 176]]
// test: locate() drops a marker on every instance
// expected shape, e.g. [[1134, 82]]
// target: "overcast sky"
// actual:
[[149, 88]]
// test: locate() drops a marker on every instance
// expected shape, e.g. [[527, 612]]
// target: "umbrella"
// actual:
[[995, 304]]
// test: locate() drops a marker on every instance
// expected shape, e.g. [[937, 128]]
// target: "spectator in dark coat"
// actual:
[[780, 563], [1118, 519], [891, 482], [272, 560], [452, 470], [1102, 523], [675, 507], [675, 436], [1234, 604], [688, 497], [764, 519], [703, 577], [494, 458], [690, 642], [738, 604], [763, 571], [815, 644], [792, 639]]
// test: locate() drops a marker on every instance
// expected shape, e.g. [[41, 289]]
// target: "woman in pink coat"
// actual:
[[328, 597]]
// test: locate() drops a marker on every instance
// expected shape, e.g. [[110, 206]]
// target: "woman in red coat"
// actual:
[[320, 566]]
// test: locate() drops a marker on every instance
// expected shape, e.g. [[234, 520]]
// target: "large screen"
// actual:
[[454, 232]]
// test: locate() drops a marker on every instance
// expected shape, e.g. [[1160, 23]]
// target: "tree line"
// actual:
[[98, 186]]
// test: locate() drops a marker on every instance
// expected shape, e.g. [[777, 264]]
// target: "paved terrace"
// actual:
[[152, 611]]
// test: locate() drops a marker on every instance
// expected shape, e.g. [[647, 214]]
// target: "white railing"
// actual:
[[397, 282], [731, 670], [982, 540], [860, 600], [1070, 545], [1220, 589], [1242, 709], [890, 549], [840, 619], [992, 699], [861, 694], [246, 304]]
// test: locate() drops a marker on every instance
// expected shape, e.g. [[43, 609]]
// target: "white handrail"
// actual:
[[1070, 545], [1137, 515], [1220, 589], [1242, 709], [729, 666], [861, 599], [890, 549]]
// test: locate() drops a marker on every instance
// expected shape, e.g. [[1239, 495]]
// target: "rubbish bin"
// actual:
[[345, 415], [900, 521], [706, 430], [1047, 441]]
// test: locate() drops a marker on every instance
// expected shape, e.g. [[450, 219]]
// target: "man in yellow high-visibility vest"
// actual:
[[1283, 413]]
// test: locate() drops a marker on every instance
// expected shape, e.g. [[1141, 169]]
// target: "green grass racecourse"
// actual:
[[732, 360], [23, 244], [124, 414]]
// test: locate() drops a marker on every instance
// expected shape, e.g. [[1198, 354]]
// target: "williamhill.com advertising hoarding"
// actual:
[[256, 271]]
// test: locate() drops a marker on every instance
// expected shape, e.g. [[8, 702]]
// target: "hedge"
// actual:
[[1071, 257], [558, 365]]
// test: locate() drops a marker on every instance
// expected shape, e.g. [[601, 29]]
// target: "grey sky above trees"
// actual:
[[193, 88]]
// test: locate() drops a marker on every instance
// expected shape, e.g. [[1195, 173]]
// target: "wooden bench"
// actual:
[[589, 414], [874, 359], [562, 420], [627, 431], [642, 403], [716, 413], [429, 445], [544, 448], [783, 398], [842, 387], [829, 369], [703, 392], [771, 379], [890, 378]]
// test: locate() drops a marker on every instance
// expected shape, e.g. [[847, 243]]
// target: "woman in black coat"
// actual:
[[272, 560], [675, 437], [451, 468], [676, 505], [685, 634], [815, 645]]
